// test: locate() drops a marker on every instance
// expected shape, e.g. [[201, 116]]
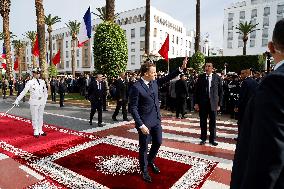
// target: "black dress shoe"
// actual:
[[36, 136], [114, 119], [43, 134], [213, 143], [100, 125], [90, 122], [202, 142], [146, 177], [105, 110], [154, 168], [126, 119]]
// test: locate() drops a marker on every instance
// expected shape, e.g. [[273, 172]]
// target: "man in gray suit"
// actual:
[[208, 96]]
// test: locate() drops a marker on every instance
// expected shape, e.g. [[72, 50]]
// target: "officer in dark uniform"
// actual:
[[62, 90], [53, 88], [20, 86], [234, 91]]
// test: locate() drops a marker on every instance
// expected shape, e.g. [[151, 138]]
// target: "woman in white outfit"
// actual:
[[38, 98]]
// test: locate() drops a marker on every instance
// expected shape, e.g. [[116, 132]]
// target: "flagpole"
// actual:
[[168, 66]]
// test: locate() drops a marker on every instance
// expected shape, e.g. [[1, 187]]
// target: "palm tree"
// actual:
[[2, 36], [101, 14], [19, 52], [50, 21], [147, 29], [74, 27], [5, 11], [197, 37], [110, 8], [41, 37], [31, 35], [245, 29]]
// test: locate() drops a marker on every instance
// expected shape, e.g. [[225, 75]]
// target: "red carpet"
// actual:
[[70, 159]]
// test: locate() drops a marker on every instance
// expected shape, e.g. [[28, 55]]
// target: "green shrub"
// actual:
[[110, 49], [235, 63]]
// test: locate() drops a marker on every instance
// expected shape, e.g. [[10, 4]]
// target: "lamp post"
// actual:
[[268, 61], [225, 66]]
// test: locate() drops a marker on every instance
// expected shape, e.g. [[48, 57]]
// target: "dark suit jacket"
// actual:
[[181, 89], [94, 93], [247, 90], [121, 89], [216, 92], [144, 104], [259, 157]]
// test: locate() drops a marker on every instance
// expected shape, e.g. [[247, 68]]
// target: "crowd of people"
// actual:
[[244, 96]]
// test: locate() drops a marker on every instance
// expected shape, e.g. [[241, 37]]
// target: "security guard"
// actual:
[[38, 98]]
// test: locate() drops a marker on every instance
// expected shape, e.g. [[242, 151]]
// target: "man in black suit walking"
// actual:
[[145, 109], [208, 97], [96, 93], [121, 97], [248, 88], [181, 95], [259, 159]]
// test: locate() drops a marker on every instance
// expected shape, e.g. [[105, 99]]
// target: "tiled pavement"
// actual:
[[181, 135]]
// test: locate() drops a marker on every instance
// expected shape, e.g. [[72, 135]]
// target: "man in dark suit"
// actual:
[[53, 88], [181, 95], [259, 159], [144, 107], [121, 97], [62, 90], [248, 88], [208, 97], [96, 93]]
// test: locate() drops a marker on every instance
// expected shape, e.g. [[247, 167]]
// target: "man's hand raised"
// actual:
[[184, 63]]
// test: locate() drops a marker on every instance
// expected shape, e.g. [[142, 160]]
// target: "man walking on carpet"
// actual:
[[145, 109], [38, 98]]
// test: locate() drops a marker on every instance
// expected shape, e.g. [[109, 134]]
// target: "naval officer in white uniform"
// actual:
[[38, 98]]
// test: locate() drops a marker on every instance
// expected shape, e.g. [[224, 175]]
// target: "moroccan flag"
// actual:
[[4, 65], [36, 47], [56, 58], [85, 31], [16, 64], [3, 52], [164, 51]]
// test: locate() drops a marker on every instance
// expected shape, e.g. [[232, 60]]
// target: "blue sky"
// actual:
[[22, 16]]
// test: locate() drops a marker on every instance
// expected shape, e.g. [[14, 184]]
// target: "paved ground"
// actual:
[[182, 135]]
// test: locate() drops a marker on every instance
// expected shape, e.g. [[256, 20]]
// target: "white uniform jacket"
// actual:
[[38, 92]]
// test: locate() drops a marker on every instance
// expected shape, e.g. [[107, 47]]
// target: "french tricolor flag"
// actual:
[[3, 52], [85, 31]]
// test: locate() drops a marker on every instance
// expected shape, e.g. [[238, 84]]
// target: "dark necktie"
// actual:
[[207, 84], [38, 81], [99, 86], [150, 87]]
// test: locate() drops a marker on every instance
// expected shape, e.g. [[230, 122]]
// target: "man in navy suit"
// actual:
[[259, 157], [208, 97], [96, 92], [145, 109], [248, 88]]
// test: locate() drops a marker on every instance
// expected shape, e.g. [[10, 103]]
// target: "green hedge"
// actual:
[[235, 63]]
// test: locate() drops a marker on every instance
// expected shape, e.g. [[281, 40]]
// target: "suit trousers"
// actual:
[[61, 100], [120, 104], [37, 118], [204, 112], [180, 106], [144, 140], [97, 106], [53, 95]]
